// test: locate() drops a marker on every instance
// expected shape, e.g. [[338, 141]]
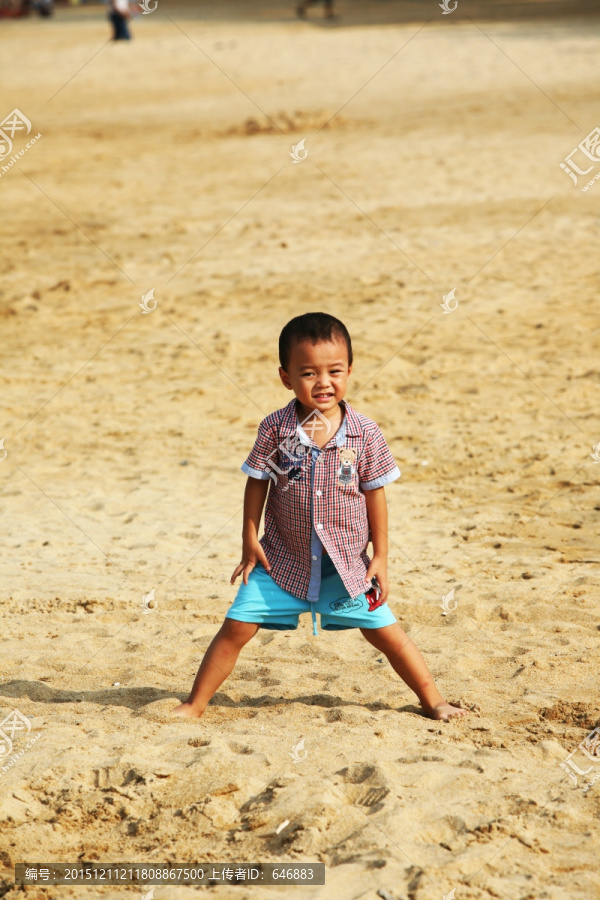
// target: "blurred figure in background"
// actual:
[[119, 14], [14, 8], [328, 11], [44, 7]]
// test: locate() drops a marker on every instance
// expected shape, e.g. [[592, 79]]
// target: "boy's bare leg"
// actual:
[[217, 664], [407, 661]]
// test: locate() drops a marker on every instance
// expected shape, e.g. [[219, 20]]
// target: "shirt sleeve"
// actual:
[[262, 458], [376, 466]]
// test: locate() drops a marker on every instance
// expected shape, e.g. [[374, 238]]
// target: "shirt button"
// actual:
[[319, 526], [314, 557], [319, 493]]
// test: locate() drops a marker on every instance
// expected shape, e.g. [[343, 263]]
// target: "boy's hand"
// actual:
[[251, 554], [378, 568]]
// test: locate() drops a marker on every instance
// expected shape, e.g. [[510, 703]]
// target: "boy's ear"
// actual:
[[285, 378]]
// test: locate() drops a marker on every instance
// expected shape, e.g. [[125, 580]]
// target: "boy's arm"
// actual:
[[252, 551], [254, 501], [378, 523]]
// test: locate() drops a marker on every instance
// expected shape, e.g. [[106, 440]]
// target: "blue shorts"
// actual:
[[265, 603]]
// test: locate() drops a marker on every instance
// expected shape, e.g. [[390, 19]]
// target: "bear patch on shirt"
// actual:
[[347, 469]]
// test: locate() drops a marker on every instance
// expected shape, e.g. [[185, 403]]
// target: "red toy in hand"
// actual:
[[373, 595]]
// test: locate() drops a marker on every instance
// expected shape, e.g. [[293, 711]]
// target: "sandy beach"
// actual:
[[434, 145]]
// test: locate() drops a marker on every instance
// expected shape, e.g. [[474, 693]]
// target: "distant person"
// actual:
[[44, 8], [328, 10], [120, 14]]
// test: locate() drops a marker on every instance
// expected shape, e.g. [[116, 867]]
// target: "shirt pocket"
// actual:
[[291, 468]]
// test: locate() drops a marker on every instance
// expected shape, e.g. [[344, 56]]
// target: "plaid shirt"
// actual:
[[315, 502]]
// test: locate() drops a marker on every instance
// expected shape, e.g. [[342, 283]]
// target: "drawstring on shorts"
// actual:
[[314, 618]]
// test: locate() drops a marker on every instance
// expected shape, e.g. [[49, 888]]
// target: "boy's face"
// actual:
[[318, 373]]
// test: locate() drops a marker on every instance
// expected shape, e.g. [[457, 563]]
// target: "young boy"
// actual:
[[325, 466]]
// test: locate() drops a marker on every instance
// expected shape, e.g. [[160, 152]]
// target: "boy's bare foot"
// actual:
[[187, 711], [444, 711]]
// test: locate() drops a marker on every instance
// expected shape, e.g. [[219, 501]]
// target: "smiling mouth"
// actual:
[[323, 396]]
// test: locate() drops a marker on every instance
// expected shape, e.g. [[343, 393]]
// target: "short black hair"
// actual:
[[314, 327]]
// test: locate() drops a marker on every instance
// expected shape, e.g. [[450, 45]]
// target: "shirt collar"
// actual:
[[350, 424]]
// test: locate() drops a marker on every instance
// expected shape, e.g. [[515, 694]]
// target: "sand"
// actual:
[[433, 165]]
